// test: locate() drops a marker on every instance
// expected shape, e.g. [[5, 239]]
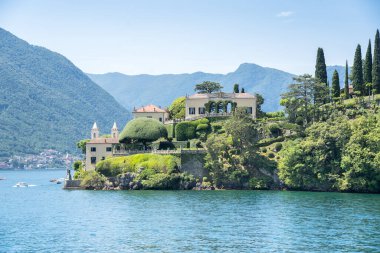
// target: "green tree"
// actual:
[[361, 156], [376, 64], [82, 145], [320, 67], [346, 88], [177, 108], [236, 88], [259, 103], [303, 98], [232, 157], [335, 85], [313, 163], [357, 72], [242, 90], [143, 130], [208, 87], [368, 65]]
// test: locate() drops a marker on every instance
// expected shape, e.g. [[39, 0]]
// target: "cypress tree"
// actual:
[[335, 85], [236, 88], [376, 63], [357, 71], [346, 88], [368, 65], [242, 90], [320, 67]]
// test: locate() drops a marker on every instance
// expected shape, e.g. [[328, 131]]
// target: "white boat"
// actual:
[[2, 178], [21, 184]]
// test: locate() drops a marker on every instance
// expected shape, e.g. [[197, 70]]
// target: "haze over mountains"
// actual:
[[137, 90], [47, 102]]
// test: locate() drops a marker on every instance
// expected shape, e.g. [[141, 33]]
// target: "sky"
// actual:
[[178, 36]]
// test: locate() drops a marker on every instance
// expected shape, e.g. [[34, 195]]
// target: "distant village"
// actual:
[[46, 159]]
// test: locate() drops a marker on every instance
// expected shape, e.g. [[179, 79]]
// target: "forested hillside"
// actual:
[[46, 101]]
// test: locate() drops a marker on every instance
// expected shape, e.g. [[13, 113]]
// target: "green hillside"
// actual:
[[46, 101]]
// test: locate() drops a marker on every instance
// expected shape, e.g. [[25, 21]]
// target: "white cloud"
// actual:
[[285, 14]]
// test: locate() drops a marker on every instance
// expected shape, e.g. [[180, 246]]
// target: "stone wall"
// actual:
[[72, 184], [193, 164]]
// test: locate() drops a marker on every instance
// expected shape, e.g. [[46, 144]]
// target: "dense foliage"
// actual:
[[142, 130], [187, 130], [151, 171], [233, 159], [46, 102], [208, 87], [177, 108], [336, 155]]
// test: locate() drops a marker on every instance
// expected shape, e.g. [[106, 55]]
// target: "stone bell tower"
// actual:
[[94, 131], [115, 131]]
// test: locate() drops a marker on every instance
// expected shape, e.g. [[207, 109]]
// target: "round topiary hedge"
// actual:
[[143, 130]]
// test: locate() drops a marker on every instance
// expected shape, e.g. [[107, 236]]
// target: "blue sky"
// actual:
[[177, 36]]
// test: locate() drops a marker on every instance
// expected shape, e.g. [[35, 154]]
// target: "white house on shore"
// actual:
[[98, 148], [151, 111], [222, 104]]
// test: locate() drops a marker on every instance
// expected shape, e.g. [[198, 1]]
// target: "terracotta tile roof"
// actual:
[[102, 140], [149, 108]]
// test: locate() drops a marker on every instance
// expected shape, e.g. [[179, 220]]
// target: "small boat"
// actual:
[[21, 184], [53, 180], [2, 178], [59, 182]]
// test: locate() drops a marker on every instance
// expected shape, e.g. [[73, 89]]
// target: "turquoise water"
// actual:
[[45, 218]]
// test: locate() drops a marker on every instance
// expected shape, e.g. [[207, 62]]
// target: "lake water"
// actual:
[[45, 218]]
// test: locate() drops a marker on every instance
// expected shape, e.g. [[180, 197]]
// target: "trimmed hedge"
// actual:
[[187, 130], [143, 129]]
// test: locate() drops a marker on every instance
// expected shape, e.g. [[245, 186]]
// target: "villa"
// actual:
[[151, 111], [219, 104], [197, 106], [98, 148]]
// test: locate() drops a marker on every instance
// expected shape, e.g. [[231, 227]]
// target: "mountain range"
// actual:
[[46, 102], [137, 90]]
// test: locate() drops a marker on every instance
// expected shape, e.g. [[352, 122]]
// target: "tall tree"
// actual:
[[320, 67], [301, 100], [208, 87], [335, 85], [236, 88], [376, 63], [242, 90], [346, 88], [357, 72], [368, 65]]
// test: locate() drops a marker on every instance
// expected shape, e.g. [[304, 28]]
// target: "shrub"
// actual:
[[159, 163], [264, 150], [93, 180], [170, 130], [78, 165], [185, 131], [274, 129], [271, 155], [202, 127], [278, 146], [143, 130]]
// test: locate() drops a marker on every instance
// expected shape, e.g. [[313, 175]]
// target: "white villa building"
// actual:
[[151, 111], [202, 104], [98, 148]]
